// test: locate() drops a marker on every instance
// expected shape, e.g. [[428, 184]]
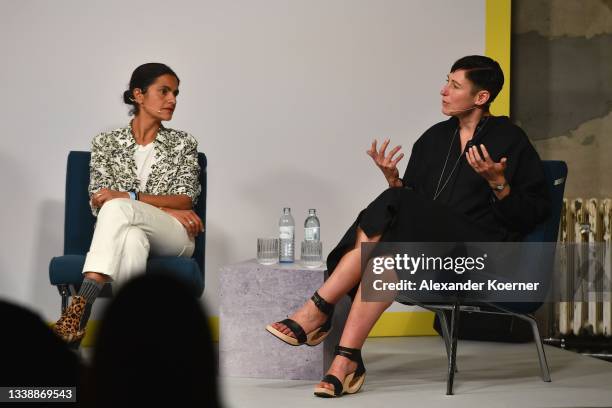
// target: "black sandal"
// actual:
[[352, 382], [314, 337]]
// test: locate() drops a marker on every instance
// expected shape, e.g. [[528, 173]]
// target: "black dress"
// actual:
[[466, 209]]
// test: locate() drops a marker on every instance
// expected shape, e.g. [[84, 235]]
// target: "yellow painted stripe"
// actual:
[[498, 17], [90, 334], [213, 322], [93, 325], [390, 324], [396, 324]]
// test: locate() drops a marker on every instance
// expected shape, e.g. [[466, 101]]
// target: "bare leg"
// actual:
[[361, 319], [346, 275], [98, 277]]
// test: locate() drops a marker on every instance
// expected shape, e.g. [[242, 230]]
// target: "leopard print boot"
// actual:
[[68, 327]]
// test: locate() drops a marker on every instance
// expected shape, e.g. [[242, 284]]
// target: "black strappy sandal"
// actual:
[[314, 337], [352, 382]]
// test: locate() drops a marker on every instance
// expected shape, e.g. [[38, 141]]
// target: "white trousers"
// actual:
[[126, 232]]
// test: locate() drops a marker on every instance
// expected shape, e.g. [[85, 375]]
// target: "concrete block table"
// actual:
[[254, 295]]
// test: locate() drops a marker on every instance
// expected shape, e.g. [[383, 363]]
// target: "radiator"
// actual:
[[585, 268]]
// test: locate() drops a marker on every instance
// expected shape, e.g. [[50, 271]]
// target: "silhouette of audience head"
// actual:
[[154, 347], [32, 355]]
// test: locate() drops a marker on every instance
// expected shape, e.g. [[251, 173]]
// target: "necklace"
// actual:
[[440, 189]]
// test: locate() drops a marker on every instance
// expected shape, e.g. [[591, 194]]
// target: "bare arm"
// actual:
[[174, 201], [177, 205]]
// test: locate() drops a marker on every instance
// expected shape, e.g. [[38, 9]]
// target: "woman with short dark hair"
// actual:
[[144, 182], [472, 178]]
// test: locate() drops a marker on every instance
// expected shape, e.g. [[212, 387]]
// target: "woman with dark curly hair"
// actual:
[[144, 182]]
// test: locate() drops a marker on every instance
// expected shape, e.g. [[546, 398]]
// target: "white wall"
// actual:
[[283, 96]]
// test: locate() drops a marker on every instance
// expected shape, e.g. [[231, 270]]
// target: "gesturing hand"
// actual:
[[385, 162], [104, 194], [189, 219], [491, 171]]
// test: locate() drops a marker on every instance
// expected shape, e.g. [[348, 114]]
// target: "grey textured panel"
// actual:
[[559, 84], [252, 296]]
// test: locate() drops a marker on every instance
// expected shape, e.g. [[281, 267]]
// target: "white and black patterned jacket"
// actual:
[[176, 169]]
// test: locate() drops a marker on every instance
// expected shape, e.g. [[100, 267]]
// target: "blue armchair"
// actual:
[[65, 271]]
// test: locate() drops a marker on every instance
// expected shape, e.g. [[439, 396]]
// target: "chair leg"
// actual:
[[64, 291], [544, 371], [445, 333], [452, 360]]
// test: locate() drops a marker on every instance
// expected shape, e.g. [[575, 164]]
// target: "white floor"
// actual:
[[411, 372]]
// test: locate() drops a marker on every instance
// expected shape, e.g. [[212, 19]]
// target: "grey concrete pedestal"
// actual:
[[254, 295]]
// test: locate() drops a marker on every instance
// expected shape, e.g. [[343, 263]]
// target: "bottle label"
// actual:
[[311, 234], [286, 232]]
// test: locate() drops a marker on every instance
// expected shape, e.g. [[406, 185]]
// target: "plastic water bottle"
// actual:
[[286, 226], [312, 226]]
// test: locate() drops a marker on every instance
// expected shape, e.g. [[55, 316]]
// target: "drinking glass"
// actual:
[[267, 251], [312, 253]]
